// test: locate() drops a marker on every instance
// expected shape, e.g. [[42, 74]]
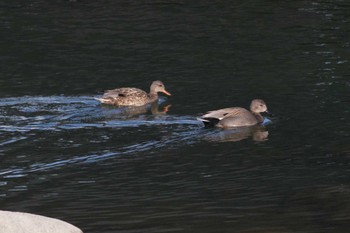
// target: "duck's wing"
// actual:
[[123, 92], [124, 96], [212, 118], [222, 113]]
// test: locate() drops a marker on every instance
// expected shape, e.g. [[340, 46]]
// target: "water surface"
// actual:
[[119, 170]]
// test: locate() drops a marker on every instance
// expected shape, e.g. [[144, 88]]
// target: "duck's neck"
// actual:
[[258, 116], [153, 96]]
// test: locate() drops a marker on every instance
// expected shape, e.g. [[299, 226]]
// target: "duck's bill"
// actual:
[[167, 93], [269, 113]]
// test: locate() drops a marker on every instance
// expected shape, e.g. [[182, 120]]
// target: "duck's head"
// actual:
[[258, 106], [158, 86]]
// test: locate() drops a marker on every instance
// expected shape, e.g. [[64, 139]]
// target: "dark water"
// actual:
[[111, 170]]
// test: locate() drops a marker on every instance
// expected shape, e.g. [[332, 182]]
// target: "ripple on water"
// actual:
[[56, 128], [59, 112]]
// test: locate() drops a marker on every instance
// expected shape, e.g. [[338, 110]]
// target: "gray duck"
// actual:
[[235, 116]]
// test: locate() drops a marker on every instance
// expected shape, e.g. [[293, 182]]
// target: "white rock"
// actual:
[[17, 222]]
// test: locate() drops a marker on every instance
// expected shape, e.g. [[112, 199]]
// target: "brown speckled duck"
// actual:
[[130, 96], [235, 116]]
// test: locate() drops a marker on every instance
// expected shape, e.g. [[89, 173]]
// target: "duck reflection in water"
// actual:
[[132, 111], [257, 132]]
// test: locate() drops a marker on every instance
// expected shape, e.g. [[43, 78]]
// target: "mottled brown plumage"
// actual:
[[130, 96]]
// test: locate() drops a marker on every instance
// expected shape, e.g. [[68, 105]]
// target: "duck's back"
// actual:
[[126, 96], [238, 117]]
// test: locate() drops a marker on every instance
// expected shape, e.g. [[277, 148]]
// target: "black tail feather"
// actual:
[[210, 121]]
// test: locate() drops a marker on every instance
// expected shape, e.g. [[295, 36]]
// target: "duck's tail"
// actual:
[[209, 121], [104, 100]]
